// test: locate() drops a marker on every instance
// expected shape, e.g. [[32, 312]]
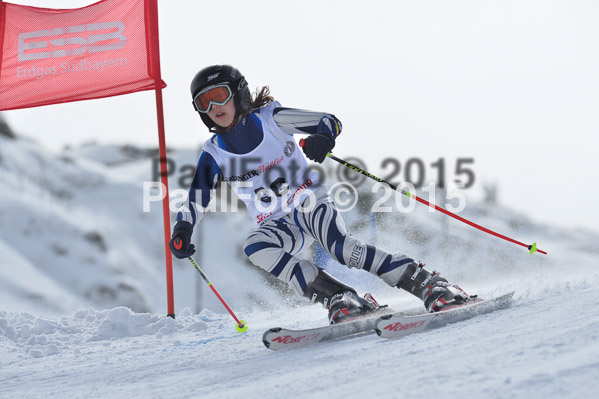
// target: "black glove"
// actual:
[[180, 243], [316, 146]]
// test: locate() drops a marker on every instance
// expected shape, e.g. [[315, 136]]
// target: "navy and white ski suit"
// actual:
[[265, 136]]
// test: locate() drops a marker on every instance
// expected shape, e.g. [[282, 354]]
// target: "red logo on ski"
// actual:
[[399, 326], [288, 339]]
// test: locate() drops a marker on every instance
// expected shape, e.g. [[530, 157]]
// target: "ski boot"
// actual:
[[433, 289], [341, 300], [347, 305]]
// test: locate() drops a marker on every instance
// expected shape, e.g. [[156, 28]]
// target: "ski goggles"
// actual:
[[217, 95]]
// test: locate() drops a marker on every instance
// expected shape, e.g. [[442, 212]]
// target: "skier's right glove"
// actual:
[[180, 243]]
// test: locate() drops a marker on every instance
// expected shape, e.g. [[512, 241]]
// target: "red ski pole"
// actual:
[[241, 325], [532, 248]]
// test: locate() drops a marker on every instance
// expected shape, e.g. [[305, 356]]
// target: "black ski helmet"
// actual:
[[218, 74]]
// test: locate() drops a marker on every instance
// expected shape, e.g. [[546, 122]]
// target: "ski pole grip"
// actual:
[[302, 142]]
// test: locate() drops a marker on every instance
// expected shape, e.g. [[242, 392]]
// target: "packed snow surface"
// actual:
[[545, 346]]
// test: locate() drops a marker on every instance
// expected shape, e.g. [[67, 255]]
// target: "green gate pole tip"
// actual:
[[533, 248]]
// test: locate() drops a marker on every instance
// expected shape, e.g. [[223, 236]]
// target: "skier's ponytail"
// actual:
[[261, 98]]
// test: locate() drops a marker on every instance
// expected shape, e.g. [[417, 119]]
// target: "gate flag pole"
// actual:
[[154, 67]]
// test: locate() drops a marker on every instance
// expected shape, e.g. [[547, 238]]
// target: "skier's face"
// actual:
[[223, 115]]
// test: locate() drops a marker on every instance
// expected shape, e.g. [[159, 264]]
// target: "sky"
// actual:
[[511, 85]]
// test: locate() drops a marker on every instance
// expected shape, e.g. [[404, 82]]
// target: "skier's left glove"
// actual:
[[317, 146], [180, 243]]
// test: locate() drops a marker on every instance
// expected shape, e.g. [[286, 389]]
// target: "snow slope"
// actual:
[[82, 299], [76, 219], [545, 346]]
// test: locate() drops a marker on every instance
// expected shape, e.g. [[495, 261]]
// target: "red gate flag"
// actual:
[[108, 48], [51, 56]]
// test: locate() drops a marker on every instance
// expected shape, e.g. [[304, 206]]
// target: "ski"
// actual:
[[283, 338], [400, 325], [389, 325]]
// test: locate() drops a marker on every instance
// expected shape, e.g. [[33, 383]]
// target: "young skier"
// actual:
[[253, 150]]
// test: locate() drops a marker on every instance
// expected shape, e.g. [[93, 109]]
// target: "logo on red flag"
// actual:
[[74, 45]]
